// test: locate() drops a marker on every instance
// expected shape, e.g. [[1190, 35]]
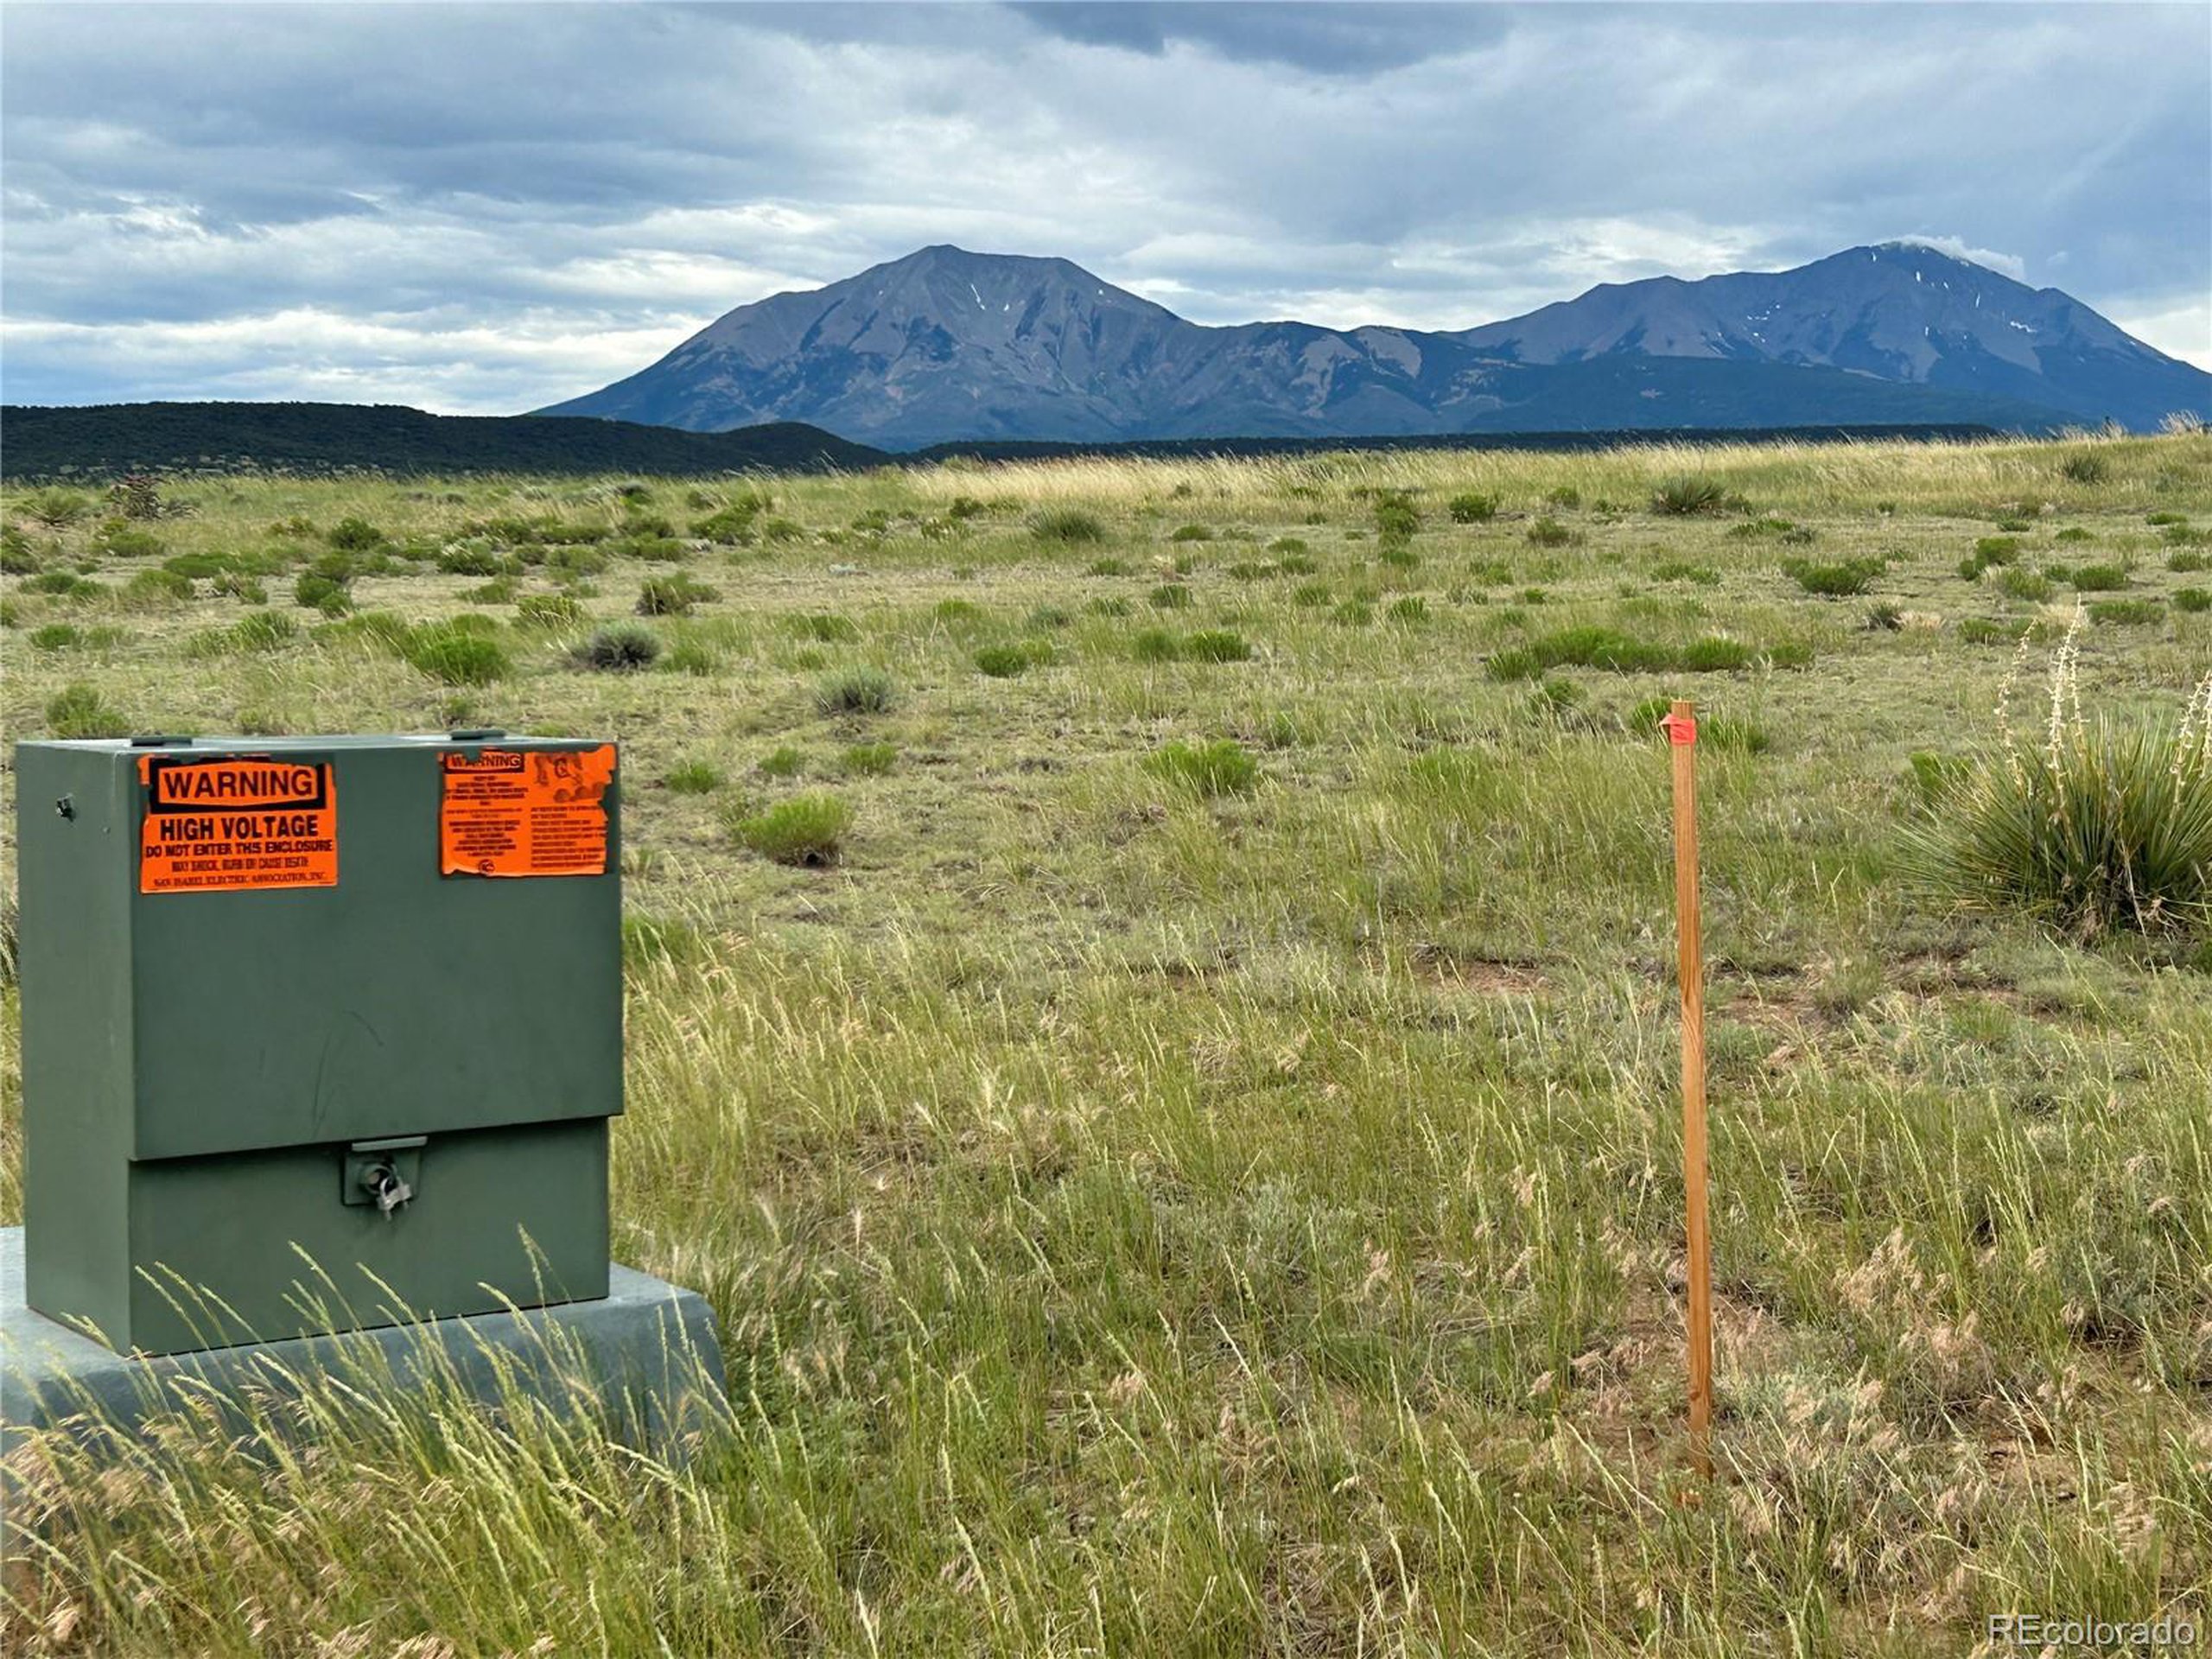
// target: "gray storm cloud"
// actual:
[[485, 209]]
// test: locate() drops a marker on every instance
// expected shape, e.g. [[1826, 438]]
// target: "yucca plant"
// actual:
[[2103, 825]]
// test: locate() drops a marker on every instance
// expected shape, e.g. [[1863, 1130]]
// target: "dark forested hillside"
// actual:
[[108, 439]]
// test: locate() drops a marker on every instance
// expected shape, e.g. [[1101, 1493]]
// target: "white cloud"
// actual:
[[2010, 263]]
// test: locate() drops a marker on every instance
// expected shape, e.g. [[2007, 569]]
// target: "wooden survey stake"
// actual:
[[1681, 737]]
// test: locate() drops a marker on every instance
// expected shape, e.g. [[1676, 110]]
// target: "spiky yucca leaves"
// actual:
[[2104, 824]]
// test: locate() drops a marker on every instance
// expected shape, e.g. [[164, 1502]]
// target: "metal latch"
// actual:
[[383, 1173]]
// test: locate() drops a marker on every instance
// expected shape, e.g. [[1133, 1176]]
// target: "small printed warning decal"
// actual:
[[517, 812], [236, 823]]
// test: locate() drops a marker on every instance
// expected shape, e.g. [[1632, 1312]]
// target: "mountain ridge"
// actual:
[[946, 345]]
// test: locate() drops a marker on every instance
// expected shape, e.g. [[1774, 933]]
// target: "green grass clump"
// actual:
[[120, 541], [61, 584], [1190, 533], [855, 691], [826, 627], [264, 631], [731, 526], [2090, 826], [1990, 630], [1846, 578], [56, 509], [1217, 645], [550, 611], [783, 761], [1411, 609], [2192, 600], [695, 778], [1068, 526], [806, 830], [78, 710], [2097, 578], [1703, 575], [1220, 767], [2086, 469], [2074, 533], [618, 648], [2188, 563], [465, 560], [2126, 613], [156, 590], [673, 595], [57, 636], [1473, 507], [1005, 662], [1110, 567], [351, 535], [456, 655], [1155, 645], [1169, 596], [869, 760], [1549, 532], [1395, 515], [2020, 583], [1680, 497]]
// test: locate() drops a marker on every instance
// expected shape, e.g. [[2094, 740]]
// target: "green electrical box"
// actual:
[[318, 1034]]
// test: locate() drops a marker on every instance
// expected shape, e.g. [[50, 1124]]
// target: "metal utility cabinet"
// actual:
[[319, 1034]]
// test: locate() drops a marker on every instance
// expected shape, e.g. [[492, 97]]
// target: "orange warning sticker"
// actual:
[[525, 812], [220, 826]]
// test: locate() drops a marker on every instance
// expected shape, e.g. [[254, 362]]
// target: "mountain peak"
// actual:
[[947, 343]]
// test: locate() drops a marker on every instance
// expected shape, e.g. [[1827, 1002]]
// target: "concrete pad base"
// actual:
[[647, 1356]]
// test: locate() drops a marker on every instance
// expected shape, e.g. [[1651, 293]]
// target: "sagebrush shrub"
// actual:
[[1472, 508]]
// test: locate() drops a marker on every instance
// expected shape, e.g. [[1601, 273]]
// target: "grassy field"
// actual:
[[1151, 1020]]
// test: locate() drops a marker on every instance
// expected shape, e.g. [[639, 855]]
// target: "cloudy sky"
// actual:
[[480, 209]]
